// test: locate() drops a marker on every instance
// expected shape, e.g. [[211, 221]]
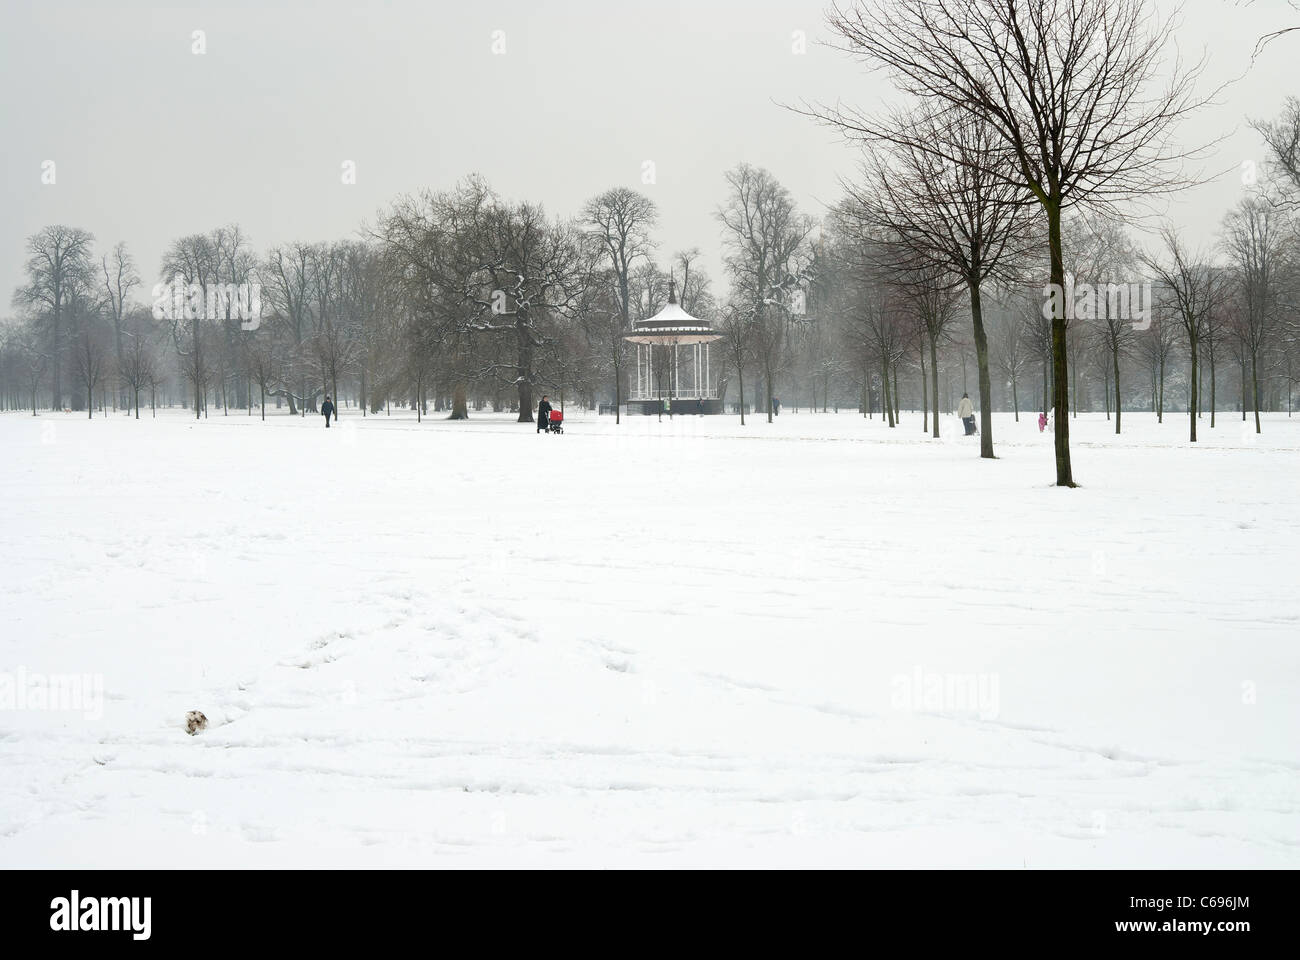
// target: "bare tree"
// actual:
[[529, 272], [120, 277], [288, 290], [137, 358], [1215, 328], [1009, 347], [191, 261], [91, 350], [363, 300], [263, 364], [429, 258], [932, 295], [619, 221], [333, 340], [58, 262], [940, 193], [736, 327], [1098, 252], [1253, 238], [33, 356], [763, 234], [1190, 290], [1157, 346]]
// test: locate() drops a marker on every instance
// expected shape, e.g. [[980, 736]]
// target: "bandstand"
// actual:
[[673, 370]]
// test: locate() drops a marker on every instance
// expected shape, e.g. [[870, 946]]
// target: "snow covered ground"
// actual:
[[816, 642]]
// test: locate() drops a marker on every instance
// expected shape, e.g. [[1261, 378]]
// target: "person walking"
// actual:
[[966, 410], [543, 414], [327, 408]]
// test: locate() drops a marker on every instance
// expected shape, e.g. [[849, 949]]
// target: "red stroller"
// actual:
[[556, 422]]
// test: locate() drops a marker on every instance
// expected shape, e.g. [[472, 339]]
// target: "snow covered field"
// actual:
[[816, 642]]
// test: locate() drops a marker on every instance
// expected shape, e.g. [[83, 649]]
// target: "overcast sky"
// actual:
[[152, 142]]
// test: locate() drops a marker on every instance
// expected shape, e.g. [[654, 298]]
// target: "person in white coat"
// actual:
[[966, 410]]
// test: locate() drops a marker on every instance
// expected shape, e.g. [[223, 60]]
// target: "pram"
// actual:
[[555, 424]]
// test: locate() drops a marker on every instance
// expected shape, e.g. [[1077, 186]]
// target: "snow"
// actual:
[[816, 642]]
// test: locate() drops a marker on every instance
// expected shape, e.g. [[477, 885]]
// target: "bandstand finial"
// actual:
[[672, 287]]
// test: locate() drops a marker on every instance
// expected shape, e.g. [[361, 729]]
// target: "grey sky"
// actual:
[[152, 142]]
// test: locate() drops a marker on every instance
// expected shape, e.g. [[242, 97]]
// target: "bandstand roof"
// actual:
[[671, 325]]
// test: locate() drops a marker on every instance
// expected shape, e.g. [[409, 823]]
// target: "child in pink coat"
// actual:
[[1042, 422]]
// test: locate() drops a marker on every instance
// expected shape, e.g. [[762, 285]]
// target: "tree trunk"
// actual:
[[56, 351], [459, 404], [1212, 386], [1195, 391], [1254, 385], [1074, 372], [524, 393], [925, 397], [618, 393], [934, 382], [740, 376], [982, 361], [1119, 410], [767, 388], [1060, 385], [1015, 399], [1160, 403], [886, 404]]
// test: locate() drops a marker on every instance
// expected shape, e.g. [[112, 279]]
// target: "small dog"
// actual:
[[194, 722]]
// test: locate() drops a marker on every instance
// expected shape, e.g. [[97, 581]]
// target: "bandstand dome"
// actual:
[[672, 324]]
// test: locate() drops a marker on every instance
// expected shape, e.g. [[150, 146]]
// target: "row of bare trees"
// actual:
[[452, 298], [432, 307], [1019, 110]]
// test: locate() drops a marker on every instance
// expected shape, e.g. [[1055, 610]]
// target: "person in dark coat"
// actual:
[[543, 413], [327, 408]]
